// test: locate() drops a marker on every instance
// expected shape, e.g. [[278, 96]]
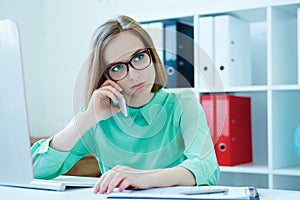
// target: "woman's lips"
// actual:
[[138, 86]]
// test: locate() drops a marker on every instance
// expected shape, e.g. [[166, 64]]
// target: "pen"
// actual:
[[200, 191]]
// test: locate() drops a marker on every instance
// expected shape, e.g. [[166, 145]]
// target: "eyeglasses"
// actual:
[[139, 61]]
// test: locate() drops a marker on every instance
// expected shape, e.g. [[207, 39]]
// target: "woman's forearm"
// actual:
[[68, 137], [176, 176]]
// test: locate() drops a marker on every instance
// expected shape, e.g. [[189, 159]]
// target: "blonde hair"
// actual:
[[101, 37]]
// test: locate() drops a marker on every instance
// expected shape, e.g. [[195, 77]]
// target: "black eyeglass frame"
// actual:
[[147, 51]]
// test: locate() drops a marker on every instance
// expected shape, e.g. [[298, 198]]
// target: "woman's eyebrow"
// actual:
[[134, 53], [137, 51]]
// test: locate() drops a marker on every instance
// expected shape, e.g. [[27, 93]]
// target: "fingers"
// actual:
[[115, 181], [114, 178], [115, 109], [123, 185], [96, 188], [100, 102], [105, 93], [113, 84], [104, 180], [112, 88], [99, 183]]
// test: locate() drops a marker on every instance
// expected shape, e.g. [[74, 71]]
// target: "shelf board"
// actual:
[[291, 171], [247, 168], [255, 88], [286, 87]]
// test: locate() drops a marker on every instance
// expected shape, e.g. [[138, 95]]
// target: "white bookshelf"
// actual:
[[247, 168], [274, 91]]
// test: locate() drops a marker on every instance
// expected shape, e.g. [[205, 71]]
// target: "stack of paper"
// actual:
[[203, 192]]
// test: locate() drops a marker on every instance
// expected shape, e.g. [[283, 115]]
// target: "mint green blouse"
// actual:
[[171, 130]]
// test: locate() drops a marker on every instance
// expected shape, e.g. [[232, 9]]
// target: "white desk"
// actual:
[[8, 193], [278, 194]]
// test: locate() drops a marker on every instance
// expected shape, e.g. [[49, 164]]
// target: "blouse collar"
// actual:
[[148, 111]]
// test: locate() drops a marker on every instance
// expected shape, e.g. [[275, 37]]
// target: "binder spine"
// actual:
[[229, 119], [206, 54], [232, 51], [170, 58], [179, 54]]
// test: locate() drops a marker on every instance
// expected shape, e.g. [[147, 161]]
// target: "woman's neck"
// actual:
[[138, 101]]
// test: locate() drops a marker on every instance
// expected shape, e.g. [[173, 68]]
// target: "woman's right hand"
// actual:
[[99, 108], [100, 102]]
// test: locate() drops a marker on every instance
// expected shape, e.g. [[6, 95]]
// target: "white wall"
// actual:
[[28, 16], [55, 38]]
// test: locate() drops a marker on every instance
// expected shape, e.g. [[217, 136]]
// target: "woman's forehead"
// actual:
[[121, 47]]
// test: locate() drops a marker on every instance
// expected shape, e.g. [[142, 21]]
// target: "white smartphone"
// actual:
[[122, 105]]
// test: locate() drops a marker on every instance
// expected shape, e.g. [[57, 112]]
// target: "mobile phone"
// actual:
[[122, 105]]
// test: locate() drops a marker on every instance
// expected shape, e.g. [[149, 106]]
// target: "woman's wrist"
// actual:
[[85, 120], [68, 137], [175, 176]]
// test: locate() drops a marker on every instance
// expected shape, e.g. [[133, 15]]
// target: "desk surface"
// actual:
[[8, 193]]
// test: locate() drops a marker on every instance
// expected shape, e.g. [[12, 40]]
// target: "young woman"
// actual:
[[164, 141]]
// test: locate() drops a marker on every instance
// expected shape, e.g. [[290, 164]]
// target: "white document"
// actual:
[[232, 51], [155, 30], [206, 51], [185, 192]]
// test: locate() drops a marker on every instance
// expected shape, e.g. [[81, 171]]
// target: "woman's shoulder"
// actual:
[[184, 99]]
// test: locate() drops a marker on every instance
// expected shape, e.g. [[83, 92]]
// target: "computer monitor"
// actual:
[[14, 126]]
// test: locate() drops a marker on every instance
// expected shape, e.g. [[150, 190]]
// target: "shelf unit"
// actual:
[[274, 91]]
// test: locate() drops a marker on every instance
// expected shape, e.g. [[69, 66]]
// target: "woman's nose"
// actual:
[[132, 73]]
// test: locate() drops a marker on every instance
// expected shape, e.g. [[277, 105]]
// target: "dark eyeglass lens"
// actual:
[[140, 61], [118, 71]]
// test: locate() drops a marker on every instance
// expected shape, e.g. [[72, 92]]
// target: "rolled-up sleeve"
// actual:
[[199, 149], [49, 163]]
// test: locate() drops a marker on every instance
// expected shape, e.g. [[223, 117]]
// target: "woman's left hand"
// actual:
[[123, 177]]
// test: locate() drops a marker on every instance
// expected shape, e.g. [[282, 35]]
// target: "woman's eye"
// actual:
[[117, 68], [139, 57]]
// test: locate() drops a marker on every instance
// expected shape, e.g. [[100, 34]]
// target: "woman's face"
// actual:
[[124, 47]]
